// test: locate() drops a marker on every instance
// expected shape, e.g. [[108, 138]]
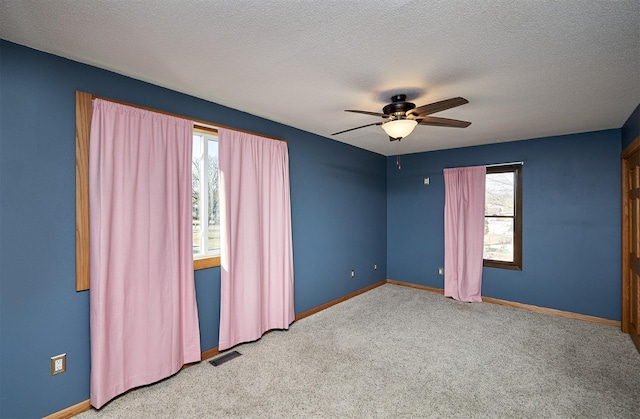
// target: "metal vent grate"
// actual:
[[224, 358]]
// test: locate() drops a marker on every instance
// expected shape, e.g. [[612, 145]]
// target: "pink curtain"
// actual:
[[464, 232], [144, 319], [256, 245]]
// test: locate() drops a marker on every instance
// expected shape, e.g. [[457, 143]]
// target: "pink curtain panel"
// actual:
[[144, 319], [464, 232], [256, 244]]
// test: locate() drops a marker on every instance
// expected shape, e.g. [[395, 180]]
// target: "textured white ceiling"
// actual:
[[529, 68]]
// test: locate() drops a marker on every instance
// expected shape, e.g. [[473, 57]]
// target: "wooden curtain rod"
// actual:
[[208, 126], [513, 163]]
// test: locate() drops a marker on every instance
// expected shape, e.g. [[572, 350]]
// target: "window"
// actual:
[[503, 217], [204, 198]]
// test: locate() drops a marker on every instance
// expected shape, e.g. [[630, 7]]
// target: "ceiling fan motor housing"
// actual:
[[398, 106]]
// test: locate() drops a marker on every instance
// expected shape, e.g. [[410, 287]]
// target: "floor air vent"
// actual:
[[224, 358]]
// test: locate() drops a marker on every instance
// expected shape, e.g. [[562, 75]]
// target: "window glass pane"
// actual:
[[195, 192], [213, 233], [205, 200], [499, 194], [498, 239]]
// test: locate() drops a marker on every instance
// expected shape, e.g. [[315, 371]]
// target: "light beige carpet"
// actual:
[[397, 352]]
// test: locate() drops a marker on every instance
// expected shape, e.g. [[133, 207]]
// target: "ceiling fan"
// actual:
[[401, 117]]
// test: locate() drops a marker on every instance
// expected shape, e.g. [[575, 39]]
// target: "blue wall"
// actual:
[[571, 221], [338, 197], [631, 128]]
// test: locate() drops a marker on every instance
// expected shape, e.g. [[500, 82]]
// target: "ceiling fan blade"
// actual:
[[442, 122], [368, 113], [438, 106], [351, 129]]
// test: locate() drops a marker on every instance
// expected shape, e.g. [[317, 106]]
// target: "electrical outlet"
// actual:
[[375, 267], [353, 273], [426, 181], [58, 364], [440, 271]]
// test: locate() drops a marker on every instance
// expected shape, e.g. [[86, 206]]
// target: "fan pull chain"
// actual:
[[398, 155]]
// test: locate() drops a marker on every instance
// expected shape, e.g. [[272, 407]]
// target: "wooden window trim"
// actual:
[[516, 265], [207, 262], [84, 107], [83, 131]]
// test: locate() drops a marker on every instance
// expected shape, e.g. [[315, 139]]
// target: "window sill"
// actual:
[[501, 265], [206, 262]]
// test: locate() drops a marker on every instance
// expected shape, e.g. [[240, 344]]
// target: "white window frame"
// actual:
[[205, 258]]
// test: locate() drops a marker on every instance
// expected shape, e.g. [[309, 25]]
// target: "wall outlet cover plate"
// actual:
[[58, 364]]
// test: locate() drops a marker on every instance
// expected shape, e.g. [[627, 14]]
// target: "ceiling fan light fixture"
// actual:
[[399, 128]]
